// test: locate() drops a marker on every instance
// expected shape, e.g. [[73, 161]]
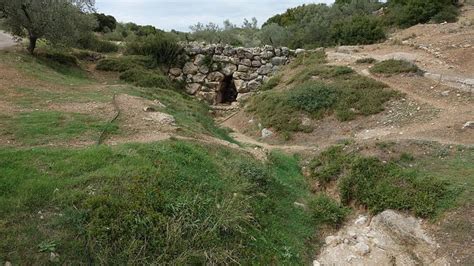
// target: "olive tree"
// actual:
[[57, 21]]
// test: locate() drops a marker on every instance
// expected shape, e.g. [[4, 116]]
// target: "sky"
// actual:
[[180, 14]]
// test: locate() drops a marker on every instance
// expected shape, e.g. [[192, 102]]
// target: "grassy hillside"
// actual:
[[168, 202]]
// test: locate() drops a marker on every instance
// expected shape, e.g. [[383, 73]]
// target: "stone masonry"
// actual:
[[219, 73]]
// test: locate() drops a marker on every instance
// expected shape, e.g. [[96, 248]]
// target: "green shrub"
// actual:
[[313, 98], [329, 165], [271, 83], [340, 90], [387, 186], [325, 210], [146, 78], [393, 66], [87, 55], [366, 60], [60, 57], [161, 47], [91, 42], [123, 63], [409, 13], [366, 29], [447, 14]]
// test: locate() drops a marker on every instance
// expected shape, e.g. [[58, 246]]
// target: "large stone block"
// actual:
[[199, 78], [190, 68], [254, 85], [266, 69], [209, 97], [192, 88], [215, 77], [200, 60], [176, 72], [278, 61], [229, 69], [241, 86]]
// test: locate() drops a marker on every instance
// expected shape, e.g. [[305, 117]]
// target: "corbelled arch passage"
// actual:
[[222, 74]]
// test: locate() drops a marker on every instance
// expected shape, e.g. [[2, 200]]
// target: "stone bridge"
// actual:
[[222, 74]]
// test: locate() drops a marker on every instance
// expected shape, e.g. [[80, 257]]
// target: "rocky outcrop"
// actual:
[[390, 238], [219, 73]]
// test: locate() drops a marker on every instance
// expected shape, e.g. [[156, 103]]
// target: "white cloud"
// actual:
[[180, 14]]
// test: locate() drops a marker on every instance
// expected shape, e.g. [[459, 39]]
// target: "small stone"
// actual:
[[53, 257], [175, 71], [469, 124], [316, 263], [7, 263], [266, 133], [190, 68], [361, 220], [362, 248], [445, 93], [332, 240], [149, 109]]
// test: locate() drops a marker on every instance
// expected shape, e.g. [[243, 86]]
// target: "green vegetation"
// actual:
[[38, 128], [318, 90], [123, 63], [327, 211], [57, 21], [380, 186], [168, 202], [46, 69], [146, 78], [271, 83], [393, 66], [164, 49], [367, 60], [405, 13], [91, 42]]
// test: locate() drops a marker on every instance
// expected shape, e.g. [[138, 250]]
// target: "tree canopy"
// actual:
[[57, 21]]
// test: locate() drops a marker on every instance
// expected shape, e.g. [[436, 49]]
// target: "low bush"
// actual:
[[366, 60], [87, 55], [124, 63], [325, 210], [318, 91], [447, 14], [393, 66], [366, 29], [161, 47], [271, 83], [145, 78], [380, 186], [60, 57], [93, 43], [328, 165]]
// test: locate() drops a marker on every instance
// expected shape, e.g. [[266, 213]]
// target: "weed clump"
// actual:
[[60, 58], [325, 210], [392, 66], [380, 186], [121, 64], [146, 78], [366, 60]]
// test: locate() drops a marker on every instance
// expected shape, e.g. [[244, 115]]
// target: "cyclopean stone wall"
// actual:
[[223, 74]]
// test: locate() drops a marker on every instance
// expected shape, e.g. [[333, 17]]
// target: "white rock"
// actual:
[[316, 263], [361, 220], [266, 133], [192, 88], [362, 248], [190, 68], [469, 124]]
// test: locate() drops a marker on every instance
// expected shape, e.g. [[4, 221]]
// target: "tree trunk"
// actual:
[[32, 46]]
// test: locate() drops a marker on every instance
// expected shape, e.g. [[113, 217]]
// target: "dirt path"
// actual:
[[6, 40]]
